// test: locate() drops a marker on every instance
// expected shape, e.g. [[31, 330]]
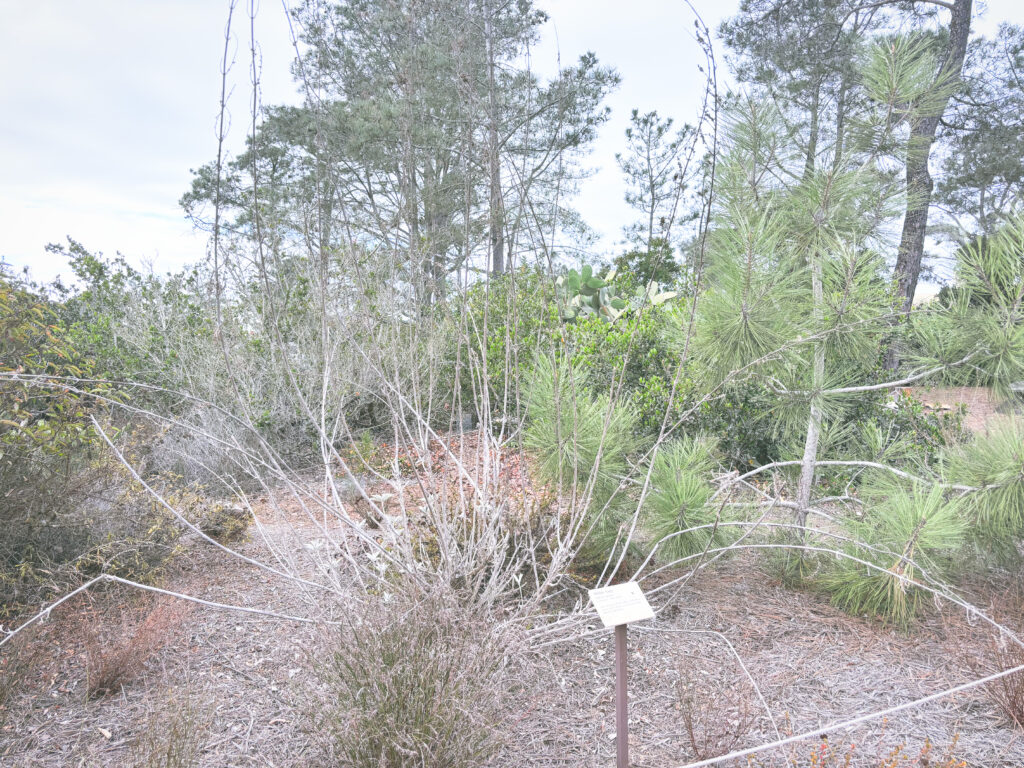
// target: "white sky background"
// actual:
[[106, 105]]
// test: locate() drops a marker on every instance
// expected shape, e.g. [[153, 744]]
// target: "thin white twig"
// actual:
[[149, 588], [845, 725]]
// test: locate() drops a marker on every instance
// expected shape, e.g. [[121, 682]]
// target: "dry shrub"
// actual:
[[1007, 693], [998, 653], [877, 751], [174, 734], [224, 522], [17, 660], [116, 657], [413, 680], [715, 718]]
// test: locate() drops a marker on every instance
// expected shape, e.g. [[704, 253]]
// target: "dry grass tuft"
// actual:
[[17, 659], [1007, 693], [114, 660], [175, 733]]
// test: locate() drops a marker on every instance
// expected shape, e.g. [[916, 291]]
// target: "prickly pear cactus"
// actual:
[[583, 293]]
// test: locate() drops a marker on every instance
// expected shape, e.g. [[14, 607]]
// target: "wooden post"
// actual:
[[621, 700], [617, 606]]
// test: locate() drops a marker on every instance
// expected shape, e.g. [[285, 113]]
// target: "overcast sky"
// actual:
[[106, 105]]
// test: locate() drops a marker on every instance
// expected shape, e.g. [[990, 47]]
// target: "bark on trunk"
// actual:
[[812, 141], [919, 145], [810, 457], [497, 211], [497, 203]]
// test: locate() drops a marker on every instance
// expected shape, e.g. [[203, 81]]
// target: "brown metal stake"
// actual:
[[617, 606], [621, 705]]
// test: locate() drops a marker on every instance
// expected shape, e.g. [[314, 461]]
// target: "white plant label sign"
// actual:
[[621, 604]]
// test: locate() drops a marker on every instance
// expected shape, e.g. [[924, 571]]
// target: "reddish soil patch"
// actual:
[[985, 409]]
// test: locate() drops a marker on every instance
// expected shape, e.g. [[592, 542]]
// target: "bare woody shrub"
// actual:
[[414, 680], [999, 654], [715, 720]]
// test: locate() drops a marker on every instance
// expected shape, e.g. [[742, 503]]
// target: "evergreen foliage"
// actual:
[[580, 439], [911, 530], [678, 501], [994, 464]]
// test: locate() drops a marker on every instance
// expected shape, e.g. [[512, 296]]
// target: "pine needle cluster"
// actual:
[[581, 441], [995, 467], [677, 509], [908, 534]]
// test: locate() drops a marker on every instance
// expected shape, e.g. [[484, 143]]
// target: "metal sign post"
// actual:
[[621, 700], [618, 606]]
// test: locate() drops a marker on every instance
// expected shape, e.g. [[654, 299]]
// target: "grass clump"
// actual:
[[115, 656], [174, 735], [412, 681], [18, 661]]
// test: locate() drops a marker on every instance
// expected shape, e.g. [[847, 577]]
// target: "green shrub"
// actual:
[[678, 501], [628, 356], [911, 529], [745, 422]]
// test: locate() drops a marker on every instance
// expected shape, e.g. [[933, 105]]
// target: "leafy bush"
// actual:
[[629, 357], [915, 433], [745, 423], [645, 265], [46, 442], [44, 426], [413, 681]]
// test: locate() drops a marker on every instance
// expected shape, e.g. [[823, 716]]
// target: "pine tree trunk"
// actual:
[[497, 217], [919, 145], [810, 457], [812, 141], [497, 203]]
